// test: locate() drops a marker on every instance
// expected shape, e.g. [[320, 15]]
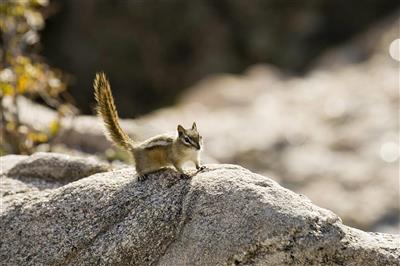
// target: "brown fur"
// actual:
[[155, 153], [107, 110]]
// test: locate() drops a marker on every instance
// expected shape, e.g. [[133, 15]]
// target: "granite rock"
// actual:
[[225, 215]]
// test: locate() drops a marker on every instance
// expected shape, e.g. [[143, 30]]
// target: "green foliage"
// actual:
[[23, 73]]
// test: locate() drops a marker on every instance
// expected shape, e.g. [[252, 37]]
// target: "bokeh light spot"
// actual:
[[389, 152], [394, 50]]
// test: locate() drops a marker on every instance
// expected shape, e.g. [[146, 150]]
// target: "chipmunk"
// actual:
[[155, 153]]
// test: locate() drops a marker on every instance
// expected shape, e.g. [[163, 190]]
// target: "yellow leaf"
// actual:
[[37, 137], [6, 89], [41, 137], [10, 126], [54, 127], [22, 84]]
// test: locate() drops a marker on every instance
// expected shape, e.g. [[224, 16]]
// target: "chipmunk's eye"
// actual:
[[187, 139]]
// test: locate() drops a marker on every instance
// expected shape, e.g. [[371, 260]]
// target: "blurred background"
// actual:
[[305, 92], [153, 50]]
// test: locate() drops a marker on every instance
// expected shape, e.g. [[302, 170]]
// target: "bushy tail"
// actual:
[[106, 109]]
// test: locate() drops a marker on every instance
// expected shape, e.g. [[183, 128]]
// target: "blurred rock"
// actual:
[[224, 215], [57, 167], [24, 176]]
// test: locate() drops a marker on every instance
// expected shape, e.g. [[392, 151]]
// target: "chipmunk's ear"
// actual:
[[194, 126], [181, 130]]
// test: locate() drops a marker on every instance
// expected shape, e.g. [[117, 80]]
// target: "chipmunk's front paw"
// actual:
[[200, 168]]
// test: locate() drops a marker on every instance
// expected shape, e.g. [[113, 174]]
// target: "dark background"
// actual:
[[153, 50]]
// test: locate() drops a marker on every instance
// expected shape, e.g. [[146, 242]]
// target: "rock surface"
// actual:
[[63, 168], [27, 175], [225, 215]]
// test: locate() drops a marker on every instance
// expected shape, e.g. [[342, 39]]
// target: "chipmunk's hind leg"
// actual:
[[185, 176], [142, 174], [179, 169], [142, 177]]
